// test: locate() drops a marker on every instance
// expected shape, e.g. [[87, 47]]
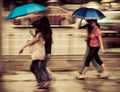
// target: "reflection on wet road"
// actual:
[[65, 82]]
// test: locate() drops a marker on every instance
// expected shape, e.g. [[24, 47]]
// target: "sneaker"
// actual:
[[75, 74], [98, 74], [46, 84], [80, 77], [104, 75]]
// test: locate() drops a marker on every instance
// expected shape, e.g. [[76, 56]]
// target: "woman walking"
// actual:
[[45, 27], [94, 42], [37, 50], [99, 69], [48, 45]]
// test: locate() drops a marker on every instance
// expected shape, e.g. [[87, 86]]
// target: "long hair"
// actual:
[[43, 26], [47, 33], [90, 27], [94, 20], [35, 24]]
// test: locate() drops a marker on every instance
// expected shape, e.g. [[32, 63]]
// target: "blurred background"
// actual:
[[68, 40], [67, 50]]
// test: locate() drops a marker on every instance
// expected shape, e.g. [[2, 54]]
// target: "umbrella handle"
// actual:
[[79, 26]]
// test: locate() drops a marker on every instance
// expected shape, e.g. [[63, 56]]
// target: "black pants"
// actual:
[[93, 53]]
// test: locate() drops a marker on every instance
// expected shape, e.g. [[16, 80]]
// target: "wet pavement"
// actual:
[[21, 81], [18, 78]]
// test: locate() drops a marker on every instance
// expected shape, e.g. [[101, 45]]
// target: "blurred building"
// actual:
[[77, 1], [67, 41], [9, 4], [53, 2]]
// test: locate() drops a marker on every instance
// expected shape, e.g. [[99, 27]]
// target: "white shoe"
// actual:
[[104, 75], [75, 73], [81, 76], [78, 75]]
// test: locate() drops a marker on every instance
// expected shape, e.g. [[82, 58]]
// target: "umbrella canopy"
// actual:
[[25, 9], [88, 13]]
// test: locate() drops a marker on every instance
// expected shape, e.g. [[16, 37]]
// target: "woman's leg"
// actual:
[[95, 64], [35, 70], [83, 63], [89, 57], [49, 73], [44, 67], [97, 58]]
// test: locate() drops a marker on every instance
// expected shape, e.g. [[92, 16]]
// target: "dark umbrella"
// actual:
[[88, 13]]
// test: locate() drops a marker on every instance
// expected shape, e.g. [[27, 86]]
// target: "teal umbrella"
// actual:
[[25, 9]]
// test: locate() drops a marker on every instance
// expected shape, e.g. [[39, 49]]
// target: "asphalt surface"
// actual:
[[16, 77]]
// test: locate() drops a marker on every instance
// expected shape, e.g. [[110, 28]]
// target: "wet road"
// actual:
[[21, 81], [18, 78]]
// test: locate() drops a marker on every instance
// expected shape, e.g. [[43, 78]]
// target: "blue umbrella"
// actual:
[[88, 13], [25, 9]]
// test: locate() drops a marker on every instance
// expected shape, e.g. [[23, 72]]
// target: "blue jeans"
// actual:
[[44, 65], [38, 68], [95, 64]]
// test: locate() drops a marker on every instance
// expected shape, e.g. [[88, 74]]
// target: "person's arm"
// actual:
[[34, 40], [101, 44], [79, 26], [21, 50], [29, 43], [98, 33], [31, 32]]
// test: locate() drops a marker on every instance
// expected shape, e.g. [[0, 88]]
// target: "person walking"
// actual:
[[37, 50], [94, 42], [98, 68], [48, 46]]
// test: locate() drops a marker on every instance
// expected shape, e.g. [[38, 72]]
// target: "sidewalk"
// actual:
[[57, 62], [16, 77], [23, 81]]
